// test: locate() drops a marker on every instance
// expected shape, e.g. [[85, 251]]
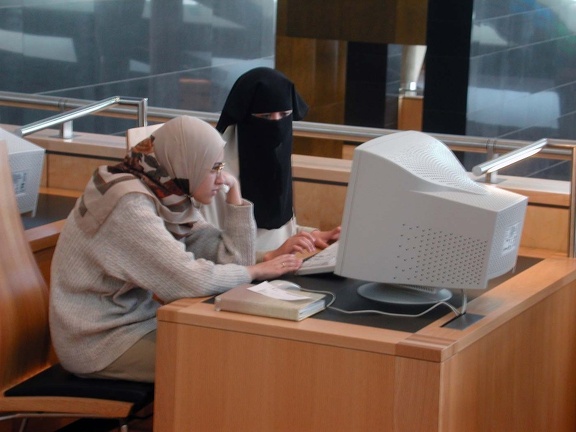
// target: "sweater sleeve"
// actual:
[[236, 245], [139, 250]]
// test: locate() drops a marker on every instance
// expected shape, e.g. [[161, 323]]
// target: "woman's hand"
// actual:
[[323, 238], [305, 242], [275, 268], [301, 242], [231, 184]]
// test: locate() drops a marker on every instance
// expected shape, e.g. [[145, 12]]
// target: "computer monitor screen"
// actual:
[[414, 218], [26, 163]]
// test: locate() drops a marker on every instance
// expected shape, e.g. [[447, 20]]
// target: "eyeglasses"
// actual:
[[218, 167]]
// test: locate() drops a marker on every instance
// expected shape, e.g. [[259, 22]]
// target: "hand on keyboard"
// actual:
[[322, 262], [302, 242]]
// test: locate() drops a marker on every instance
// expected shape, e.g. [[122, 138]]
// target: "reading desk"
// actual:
[[511, 370]]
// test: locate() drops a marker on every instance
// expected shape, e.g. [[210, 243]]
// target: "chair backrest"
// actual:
[[135, 135], [24, 331]]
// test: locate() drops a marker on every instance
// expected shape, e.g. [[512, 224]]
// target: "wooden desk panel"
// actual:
[[513, 370], [312, 383], [519, 377]]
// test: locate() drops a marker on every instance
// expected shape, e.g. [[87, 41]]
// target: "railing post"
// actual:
[[67, 130], [490, 154], [143, 112], [142, 108]]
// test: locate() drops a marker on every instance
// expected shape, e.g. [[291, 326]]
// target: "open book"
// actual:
[[269, 300]]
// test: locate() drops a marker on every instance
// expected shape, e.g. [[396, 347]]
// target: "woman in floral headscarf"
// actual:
[[136, 238]]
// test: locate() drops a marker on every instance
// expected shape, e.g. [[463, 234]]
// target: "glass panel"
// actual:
[[182, 54]]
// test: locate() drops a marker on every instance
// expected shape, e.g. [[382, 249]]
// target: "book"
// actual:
[[270, 300]]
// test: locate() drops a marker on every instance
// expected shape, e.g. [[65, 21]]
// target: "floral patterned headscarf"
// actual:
[[168, 166]]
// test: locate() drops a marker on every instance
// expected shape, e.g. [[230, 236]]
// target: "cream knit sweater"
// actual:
[[102, 286]]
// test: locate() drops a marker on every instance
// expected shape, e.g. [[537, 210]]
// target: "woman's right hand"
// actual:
[[233, 193], [301, 242], [275, 267]]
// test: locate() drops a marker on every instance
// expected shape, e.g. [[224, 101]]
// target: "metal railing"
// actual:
[[112, 107], [556, 149], [65, 119]]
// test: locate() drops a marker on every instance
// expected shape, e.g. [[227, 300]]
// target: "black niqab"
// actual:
[[264, 146]]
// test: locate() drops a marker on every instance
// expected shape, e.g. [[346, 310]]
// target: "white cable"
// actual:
[[372, 311]]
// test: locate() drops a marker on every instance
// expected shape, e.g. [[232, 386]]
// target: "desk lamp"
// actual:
[[507, 159]]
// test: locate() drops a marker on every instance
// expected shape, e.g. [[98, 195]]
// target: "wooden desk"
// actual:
[[514, 370]]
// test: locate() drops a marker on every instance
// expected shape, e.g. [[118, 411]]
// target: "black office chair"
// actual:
[[31, 385]]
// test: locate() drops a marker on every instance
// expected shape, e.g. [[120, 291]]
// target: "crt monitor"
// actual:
[[26, 163], [415, 224]]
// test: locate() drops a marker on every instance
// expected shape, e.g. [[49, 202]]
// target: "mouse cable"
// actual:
[[372, 311], [322, 292]]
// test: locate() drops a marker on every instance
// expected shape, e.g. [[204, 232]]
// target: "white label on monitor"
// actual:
[[511, 238], [19, 180]]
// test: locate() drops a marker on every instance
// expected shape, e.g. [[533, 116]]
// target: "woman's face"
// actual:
[[210, 185]]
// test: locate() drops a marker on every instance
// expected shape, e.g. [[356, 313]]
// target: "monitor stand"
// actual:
[[409, 295]]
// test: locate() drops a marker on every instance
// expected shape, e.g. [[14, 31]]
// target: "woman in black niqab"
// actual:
[[256, 122], [264, 145]]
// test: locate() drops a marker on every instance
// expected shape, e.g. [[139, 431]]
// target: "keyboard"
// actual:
[[321, 262]]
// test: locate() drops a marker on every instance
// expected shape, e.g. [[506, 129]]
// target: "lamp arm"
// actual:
[[509, 158]]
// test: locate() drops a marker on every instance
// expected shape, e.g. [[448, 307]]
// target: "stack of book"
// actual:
[[267, 299]]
